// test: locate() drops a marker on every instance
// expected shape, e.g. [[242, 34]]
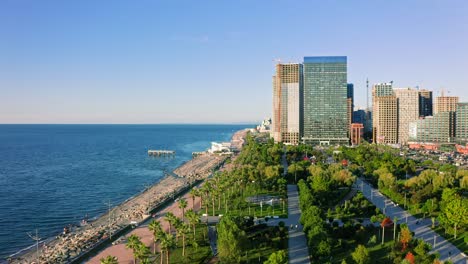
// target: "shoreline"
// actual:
[[82, 241]]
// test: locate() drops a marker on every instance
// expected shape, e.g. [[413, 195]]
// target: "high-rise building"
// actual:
[[287, 90], [350, 103], [462, 123], [357, 133], [325, 100], [433, 129], [384, 114], [359, 116], [446, 104], [408, 111], [425, 103]]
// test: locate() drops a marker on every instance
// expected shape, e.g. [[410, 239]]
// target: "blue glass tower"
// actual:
[[325, 114]]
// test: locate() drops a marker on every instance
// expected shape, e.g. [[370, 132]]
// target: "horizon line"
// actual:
[[183, 123]]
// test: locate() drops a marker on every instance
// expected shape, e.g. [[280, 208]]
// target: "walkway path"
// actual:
[[298, 251], [421, 229]]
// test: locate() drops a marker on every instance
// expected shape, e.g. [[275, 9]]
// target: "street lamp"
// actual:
[[37, 239]]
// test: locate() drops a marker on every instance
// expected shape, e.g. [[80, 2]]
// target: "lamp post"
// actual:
[[37, 239]]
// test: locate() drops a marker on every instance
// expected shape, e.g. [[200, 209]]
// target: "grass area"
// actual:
[[192, 254], [238, 206], [459, 242], [378, 253], [254, 210], [263, 242]]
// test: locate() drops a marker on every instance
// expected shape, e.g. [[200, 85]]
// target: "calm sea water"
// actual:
[[53, 175]]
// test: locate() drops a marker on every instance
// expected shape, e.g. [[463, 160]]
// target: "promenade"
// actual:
[[422, 228]]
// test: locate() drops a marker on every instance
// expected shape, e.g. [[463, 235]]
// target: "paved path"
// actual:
[[298, 251], [213, 237], [421, 228]]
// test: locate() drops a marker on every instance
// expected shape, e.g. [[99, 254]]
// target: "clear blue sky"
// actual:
[[211, 61]]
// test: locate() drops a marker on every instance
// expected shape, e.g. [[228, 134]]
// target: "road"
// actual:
[[420, 228]]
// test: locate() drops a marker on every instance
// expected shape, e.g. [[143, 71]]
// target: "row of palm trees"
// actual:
[[166, 240]]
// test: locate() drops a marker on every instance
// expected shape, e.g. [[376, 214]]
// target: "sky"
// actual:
[[173, 61]]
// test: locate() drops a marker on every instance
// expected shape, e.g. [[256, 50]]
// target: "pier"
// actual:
[[198, 153], [161, 152]]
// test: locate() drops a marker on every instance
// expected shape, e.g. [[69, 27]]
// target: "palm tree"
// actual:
[[182, 230], [155, 228], [170, 219], [193, 194], [109, 260], [143, 252], [193, 219], [177, 223], [133, 243], [183, 205], [167, 243]]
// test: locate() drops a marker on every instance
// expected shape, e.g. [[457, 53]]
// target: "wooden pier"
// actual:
[[161, 153]]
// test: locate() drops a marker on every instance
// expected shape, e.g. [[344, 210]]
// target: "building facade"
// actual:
[[325, 100], [357, 133], [433, 129], [287, 92], [425, 103], [462, 123], [350, 103], [384, 114], [408, 111], [446, 104]]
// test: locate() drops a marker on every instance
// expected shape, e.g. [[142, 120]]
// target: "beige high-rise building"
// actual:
[[385, 114], [286, 103], [408, 111], [446, 104]]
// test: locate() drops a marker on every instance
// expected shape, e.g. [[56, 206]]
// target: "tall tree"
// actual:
[[230, 240], [455, 213], [142, 253], [167, 243], [182, 230], [278, 257], [183, 205], [405, 237], [170, 218], [155, 228], [361, 255], [193, 219], [133, 243]]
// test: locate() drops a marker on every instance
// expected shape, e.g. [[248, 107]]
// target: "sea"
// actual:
[[55, 175]]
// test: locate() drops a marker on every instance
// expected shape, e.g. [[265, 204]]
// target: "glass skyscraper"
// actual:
[[325, 100]]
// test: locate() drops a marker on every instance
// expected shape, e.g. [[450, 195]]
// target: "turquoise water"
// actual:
[[53, 175]]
